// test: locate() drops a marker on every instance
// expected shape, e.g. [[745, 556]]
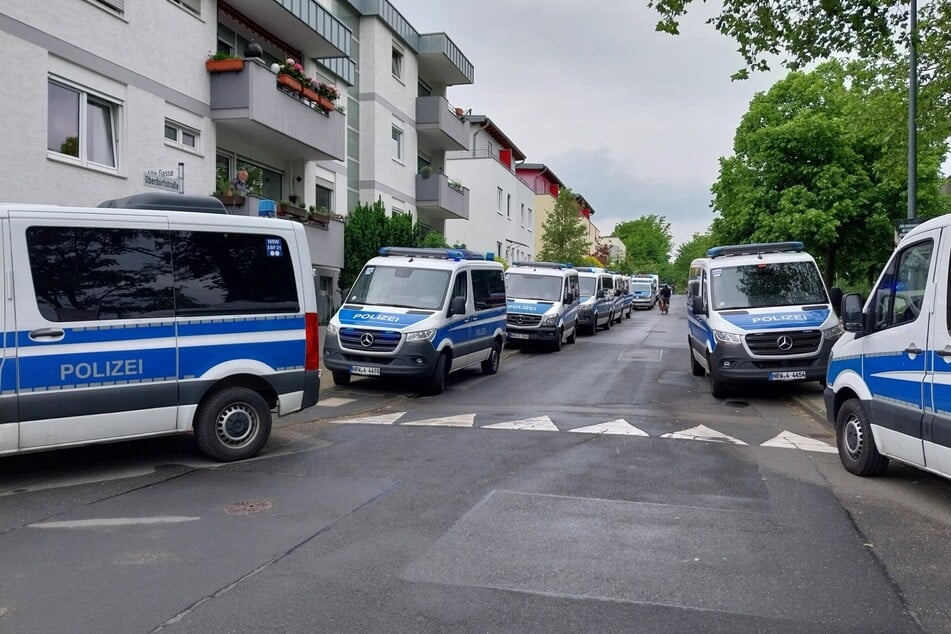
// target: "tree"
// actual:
[[687, 252], [564, 238], [648, 241], [602, 253]]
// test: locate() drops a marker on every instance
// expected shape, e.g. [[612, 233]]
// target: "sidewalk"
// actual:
[[814, 405]]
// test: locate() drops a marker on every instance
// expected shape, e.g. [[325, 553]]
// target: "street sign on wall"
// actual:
[[165, 180]]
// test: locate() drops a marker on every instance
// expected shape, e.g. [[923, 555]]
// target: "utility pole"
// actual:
[[913, 111]]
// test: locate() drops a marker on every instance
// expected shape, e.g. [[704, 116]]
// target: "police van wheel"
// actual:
[[491, 365], [556, 344], [233, 424], [695, 368], [853, 435], [341, 378], [574, 332], [594, 325], [717, 387], [437, 383], [609, 322]]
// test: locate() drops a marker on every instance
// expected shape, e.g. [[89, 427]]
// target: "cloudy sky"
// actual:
[[633, 119]]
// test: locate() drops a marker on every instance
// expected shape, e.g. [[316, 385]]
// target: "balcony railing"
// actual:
[[438, 127], [441, 198]]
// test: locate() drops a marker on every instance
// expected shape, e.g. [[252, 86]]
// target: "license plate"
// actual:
[[365, 370], [787, 376], [518, 335]]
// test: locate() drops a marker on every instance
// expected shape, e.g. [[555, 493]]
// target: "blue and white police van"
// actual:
[[542, 303], [758, 312], [121, 324], [643, 292], [889, 378], [419, 314], [623, 297], [596, 309]]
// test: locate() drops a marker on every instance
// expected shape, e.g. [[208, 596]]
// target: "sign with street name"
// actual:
[[162, 179], [902, 227]]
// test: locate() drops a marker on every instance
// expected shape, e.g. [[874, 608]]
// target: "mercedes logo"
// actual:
[[366, 340], [784, 342], [519, 319]]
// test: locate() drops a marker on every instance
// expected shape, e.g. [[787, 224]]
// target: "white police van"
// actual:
[[889, 378], [419, 314], [122, 324], [542, 303], [596, 309], [758, 312], [644, 292]]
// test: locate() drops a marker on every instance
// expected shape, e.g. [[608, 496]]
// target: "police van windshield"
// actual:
[[587, 285], [762, 285], [644, 287], [527, 286], [401, 286]]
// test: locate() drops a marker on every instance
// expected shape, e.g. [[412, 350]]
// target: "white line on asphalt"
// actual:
[[115, 521], [619, 426], [462, 420], [539, 423], [704, 433], [335, 401], [382, 419], [789, 440]]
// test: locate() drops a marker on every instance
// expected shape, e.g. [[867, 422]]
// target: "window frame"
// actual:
[[397, 135], [397, 60], [181, 130], [891, 277], [85, 96], [500, 197]]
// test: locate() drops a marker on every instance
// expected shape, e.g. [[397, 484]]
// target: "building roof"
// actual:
[[542, 169], [584, 203], [496, 133]]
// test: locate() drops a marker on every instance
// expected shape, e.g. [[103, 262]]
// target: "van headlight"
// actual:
[[727, 337], [421, 335], [833, 333], [332, 328], [550, 320]]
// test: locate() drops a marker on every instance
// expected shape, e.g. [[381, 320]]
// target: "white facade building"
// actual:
[[502, 206], [618, 249]]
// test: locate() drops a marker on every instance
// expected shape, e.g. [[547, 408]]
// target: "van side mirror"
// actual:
[[696, 305], [836, 295], [600, 294], [569, 298], [457, 306], [851, 308]]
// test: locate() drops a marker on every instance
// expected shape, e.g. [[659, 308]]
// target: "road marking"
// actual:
[[539, 423], [462, 420], [335, 401], [380, 419], [619, 426], [789, 440], [116, 521], [704, 433]]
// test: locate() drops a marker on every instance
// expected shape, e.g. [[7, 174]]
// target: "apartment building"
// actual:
[[502, 216], [592, 232], [618, 250]]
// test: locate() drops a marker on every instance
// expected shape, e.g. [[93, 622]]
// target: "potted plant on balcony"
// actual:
[[327, 95], [426, 171], [225, 192], [290, 207], [222, 62], [320, 215], [456, 185]]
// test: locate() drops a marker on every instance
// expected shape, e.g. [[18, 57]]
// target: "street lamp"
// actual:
[[912, 111]]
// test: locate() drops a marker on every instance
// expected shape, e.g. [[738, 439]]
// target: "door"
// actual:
[[459, 324], [9, 419], [488, 298], [936, 428], [894, 354], [95, 327]]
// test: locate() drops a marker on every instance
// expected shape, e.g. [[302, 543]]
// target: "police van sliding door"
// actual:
[[936, 436], [95, 332], [9, 429]]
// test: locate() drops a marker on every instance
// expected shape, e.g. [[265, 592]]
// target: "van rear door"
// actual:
[[9, 419]]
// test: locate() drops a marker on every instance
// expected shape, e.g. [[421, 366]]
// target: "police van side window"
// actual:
[[900, 293], [488, 289], [94, 274], [460, 287], [229, 273]]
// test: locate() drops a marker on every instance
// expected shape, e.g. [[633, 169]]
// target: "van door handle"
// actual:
[[47, 333], [913, 349], [943, 353]]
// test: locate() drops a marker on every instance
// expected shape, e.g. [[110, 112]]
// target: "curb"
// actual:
[[816, 410]]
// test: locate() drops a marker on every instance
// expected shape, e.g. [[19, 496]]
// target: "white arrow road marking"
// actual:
[[704, 433], [619, 426], [539, 423], [462, 420], [116, 521], [789, 440], [335, 401], [382, 419]]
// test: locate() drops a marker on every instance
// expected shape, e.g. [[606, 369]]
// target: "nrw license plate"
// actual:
[[795, 375], [365, 370], [518, 335]]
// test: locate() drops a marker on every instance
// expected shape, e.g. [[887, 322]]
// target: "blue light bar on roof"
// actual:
[[543, 265], [441, 254], [754, 249]]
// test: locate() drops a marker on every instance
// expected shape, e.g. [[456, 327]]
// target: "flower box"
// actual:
[[231, 201], [224, 65], [286, 209]]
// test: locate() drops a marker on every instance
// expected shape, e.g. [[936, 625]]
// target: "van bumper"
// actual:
[[734, 365], [543, 335], [413, 361]]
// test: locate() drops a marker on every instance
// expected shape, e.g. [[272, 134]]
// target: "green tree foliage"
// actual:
[[648, 241], [687, 252], [564, 238]]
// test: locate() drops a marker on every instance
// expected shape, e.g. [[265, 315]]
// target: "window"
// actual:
[[181, 136], [899, 296], [508, 206], [531, 221], [498, 249], [92, 274], [81, 125], [323, 197], [397, 144], [488, 289], [499, 200], [115, 6], [398, 64], [521, 215], [192, 6]]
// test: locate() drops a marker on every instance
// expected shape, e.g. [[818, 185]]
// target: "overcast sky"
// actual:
[[633, 119]]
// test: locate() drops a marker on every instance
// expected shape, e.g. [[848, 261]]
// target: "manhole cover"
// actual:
[[248, 507], [736, 403]]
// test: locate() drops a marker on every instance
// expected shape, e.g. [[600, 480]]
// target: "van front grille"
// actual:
[[520, 319], [369, 340], [784, 342]]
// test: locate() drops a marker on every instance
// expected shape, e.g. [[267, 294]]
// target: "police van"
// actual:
[[542, 303], [419, 314], [643, 291], [623, 298], [123, 324], [596, 309], [889, 378], [758, 312]]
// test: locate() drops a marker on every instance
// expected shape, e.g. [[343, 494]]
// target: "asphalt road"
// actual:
[[600, 488]]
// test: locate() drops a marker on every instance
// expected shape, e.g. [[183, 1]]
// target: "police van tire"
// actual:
[[556, 344], [233, 424], [341, 378], [853, 436], [437, 383], [609, 322], [491, 365], [594, 325], [573, 336], [717, 387], [695, 368]]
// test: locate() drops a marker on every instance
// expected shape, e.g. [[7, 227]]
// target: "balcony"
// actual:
[[440, 60], [248, 104], [439, 128], [303, 23], [437, 199]]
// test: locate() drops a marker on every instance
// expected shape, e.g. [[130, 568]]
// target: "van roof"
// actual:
[[165, 201]]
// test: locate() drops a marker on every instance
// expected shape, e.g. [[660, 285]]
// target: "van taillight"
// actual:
[[312, 351]]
